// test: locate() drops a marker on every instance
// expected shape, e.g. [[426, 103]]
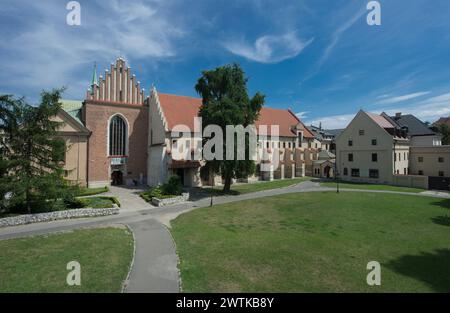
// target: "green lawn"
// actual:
[[259, 186], [350, 185], [38, 264], [316, 242], [83, 191], [99, 202]]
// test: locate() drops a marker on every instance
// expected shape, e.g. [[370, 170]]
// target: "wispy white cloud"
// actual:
[[430, 110], [269, 48], [47, 53], [302, 115], [337, 34], [392, 100], [335, 38], [332, 122]]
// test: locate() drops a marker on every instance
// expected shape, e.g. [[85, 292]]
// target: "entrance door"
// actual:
[[180, 173], [327, 171], [117, 178]]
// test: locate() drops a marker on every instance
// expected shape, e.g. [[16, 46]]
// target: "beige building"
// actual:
[[168, 114], [371, 150], [430, 161], [76, 136]]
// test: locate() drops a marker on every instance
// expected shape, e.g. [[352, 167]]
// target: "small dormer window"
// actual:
[[361, 132]]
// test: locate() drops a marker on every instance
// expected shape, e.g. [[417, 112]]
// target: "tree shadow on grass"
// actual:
[[441, 220], [431, 268], [444, 203], [197, 193]]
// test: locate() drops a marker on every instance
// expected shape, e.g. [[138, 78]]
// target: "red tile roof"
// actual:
[[443, 120], [182, 110], [380, 120], [179, 110]]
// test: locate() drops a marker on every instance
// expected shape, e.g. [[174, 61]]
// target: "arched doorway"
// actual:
[[117, 178], [326, 171]]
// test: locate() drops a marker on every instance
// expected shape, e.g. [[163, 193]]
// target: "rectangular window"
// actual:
[[404, 171], [355, 172], [350, 157], [374, 142], [441, 160], [420, 172], [345, 171], [441, 173], [374, 174], [420, 159], [350, 143], [284, 145], [374, 157], [267, 145], [361, 132]]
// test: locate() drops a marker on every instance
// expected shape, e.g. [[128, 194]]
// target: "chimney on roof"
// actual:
[[398, 115]]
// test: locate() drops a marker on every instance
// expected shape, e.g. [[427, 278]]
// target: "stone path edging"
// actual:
[[56, 215]]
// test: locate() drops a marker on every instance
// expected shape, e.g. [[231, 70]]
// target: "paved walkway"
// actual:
[[129, 197], [155, 263], [155, 267]]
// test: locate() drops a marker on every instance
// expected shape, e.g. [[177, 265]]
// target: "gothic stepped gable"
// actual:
[[118, 85]]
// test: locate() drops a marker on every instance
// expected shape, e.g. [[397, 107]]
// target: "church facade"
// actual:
[[119, 135]]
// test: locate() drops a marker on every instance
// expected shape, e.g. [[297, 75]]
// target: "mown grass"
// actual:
[[316, 242], [99, 202], [238, 189], [351, 185], [83, 191], [38, 264]]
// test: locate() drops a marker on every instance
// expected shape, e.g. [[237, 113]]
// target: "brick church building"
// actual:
[[119, 135]]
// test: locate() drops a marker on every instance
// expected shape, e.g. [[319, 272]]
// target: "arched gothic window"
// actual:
[[117, 136]]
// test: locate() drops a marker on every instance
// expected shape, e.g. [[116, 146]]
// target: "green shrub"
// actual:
[[172, 187], [168, 190], [114, 200], [73, 203]]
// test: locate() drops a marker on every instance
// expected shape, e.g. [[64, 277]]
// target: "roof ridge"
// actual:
[[174, 95]]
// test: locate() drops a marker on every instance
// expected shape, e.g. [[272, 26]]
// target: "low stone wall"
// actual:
[[57, 215], [169, 201], [414, 181]]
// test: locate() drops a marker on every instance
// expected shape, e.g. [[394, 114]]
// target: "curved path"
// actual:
[[155, 262]]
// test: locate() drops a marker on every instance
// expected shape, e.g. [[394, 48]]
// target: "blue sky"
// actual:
[[318, 57]]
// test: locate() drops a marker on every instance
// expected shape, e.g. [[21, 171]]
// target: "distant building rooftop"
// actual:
[[442, 120], [415, 127]]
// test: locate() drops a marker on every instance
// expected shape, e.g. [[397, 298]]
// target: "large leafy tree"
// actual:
[[226, 102], [31, 172]]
